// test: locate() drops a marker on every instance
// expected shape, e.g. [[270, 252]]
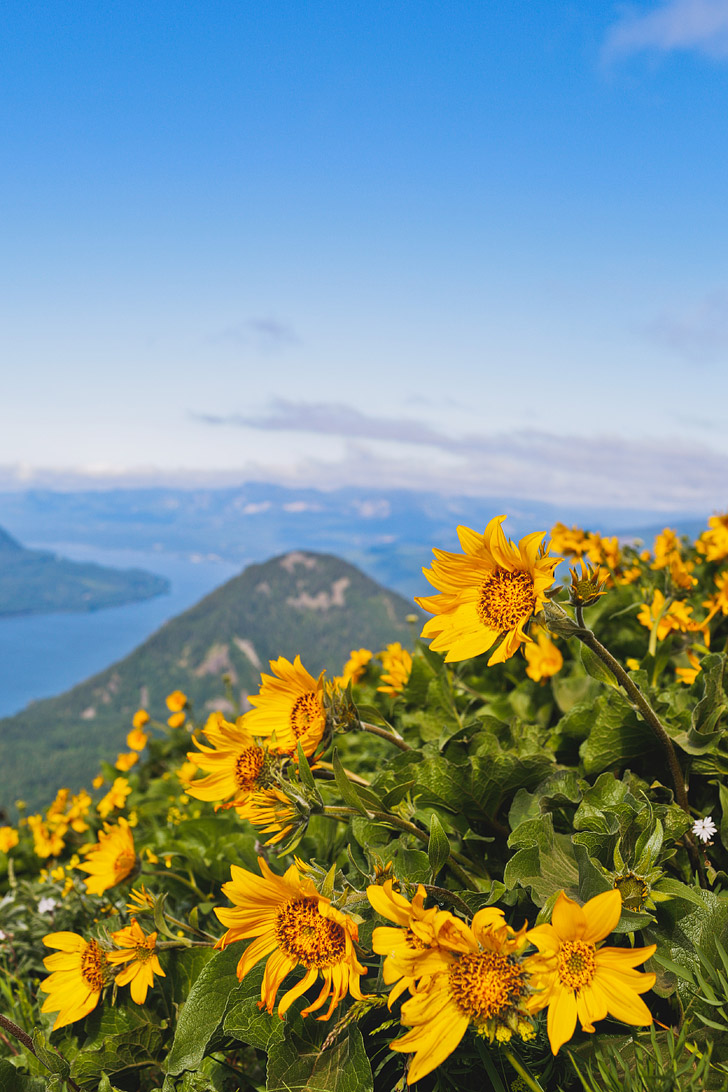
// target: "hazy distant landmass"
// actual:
[[40, 582], [303, 603]]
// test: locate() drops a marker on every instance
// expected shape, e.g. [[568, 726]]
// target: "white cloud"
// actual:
[[698, 333], [699, 25]]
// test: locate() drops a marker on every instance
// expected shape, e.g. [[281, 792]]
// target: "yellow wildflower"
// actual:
[[713, 543], [139, 951], [396, 669], [80, 970], [98, 781], [125, 761], [354, 667], [488, 592], [543, 657], [294, 926], [688, 675], [137, 740], [115, 797], [272, 812], [111, 859], [289, 707], [571, 541], [414, 932], [140, 718], [576, 978], [176, 701], [671, 616], [235, 764], [8, 838], [47, 842], [176, 720]]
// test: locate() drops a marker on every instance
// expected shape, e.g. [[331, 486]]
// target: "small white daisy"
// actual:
[[47, 905], [704, 829]]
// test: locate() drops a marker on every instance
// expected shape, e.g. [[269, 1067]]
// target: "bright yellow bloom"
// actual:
[[111, 859], [670, 616], [632, 664], [98, 781], [137, 740], [473, 975], [489, 591], [235, 764], [140, 718], [569, 540], [543, 657], [125, 761], [176, 720], [294, 926], [8, 838], [354, 667], [579, 979], [80, 971], [401, 946], [115, 797], [396, 669], [714, 542], [176, 701], [604, 551], [47, 842], [667, 547], [719, 600], [139, 952], [290, 707]]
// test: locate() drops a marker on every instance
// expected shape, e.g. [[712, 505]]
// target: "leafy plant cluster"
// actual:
[[547, 780]]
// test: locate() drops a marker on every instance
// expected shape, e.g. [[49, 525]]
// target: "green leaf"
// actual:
[[127, 1049], [705, 730], [438, 849], [346, 789], [616, 736], [545, 863], [203, 1013], [304, 773], [245, 1022], [45, 1054], [12, 1081], [596, 667], [295, 1065]]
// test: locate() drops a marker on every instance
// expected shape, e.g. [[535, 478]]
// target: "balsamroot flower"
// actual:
[[578, 979], [396, 669], [488, 592], [112, 858], [138, 951], [289, 706], [80, 970], [544, 659], [294, 926], [467, 976], [235, 764], [403, 945]]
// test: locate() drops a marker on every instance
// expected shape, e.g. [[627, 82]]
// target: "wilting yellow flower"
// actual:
[[140, 900], [489, 591], [576, 978], [543, 657], [401, 945], [688, 675], [80, 971], [137, 740], [714, 542], [354, 667], [294, 926], [569, 540], [289, 706], [396, 669], [140, 718], [115, 797], [176, 701], [47, 842], [235, 764], [111, 859], [8, 838], [126, 760], [139, 951], [272, 812], [473, 975]]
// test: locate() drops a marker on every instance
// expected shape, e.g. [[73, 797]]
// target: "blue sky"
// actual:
[[475, 246]]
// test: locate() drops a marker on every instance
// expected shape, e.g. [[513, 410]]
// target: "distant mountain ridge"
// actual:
[[302, 602], [38, 582]]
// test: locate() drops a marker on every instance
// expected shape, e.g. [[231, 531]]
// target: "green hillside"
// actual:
[[39, 582], [312, 604]]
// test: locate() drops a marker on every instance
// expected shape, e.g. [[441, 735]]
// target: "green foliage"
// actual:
[[662, 1063]]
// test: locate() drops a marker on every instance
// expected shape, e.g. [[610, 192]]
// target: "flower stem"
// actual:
[[391, 737], [409, 828], [521, 1071], [25, 1039], [640, 702]]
